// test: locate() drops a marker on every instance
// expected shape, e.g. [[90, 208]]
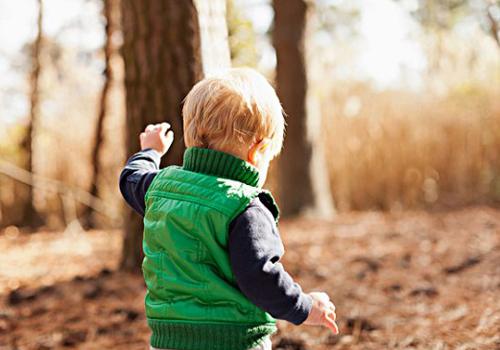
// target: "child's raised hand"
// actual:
[[157, 137], [322, 312]]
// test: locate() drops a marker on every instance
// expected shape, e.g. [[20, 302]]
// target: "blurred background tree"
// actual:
[[303, 177], [241, 36], [168, 46], [444, 15], [111, 16], [30, 216], [68, 82]]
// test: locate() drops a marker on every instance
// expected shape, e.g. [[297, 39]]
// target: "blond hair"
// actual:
[[238, 107]]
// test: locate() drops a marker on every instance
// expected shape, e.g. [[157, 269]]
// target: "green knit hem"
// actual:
[[207, 336]]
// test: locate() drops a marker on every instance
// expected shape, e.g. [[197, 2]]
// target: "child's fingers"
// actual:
[[169, 137], [331, 305], [332, 314], [150, 127], [164, 127], [330, 323]]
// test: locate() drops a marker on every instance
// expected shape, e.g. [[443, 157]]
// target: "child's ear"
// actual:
[[253, 156], [257, 151]]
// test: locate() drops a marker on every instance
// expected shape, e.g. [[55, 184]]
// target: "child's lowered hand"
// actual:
[[322, 312], [157, 137]]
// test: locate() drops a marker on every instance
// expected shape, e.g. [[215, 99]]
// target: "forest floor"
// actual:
[[413, 280]]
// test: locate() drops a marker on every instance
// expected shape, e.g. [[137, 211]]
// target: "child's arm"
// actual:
[[255, 249], [143, 166], [136, 177]]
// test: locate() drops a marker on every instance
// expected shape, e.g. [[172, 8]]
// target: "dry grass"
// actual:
[[393, 150]]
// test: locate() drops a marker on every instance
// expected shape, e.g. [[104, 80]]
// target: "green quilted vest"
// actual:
[[192, 300]]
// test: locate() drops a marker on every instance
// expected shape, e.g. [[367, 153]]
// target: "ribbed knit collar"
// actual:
[[220, 164]]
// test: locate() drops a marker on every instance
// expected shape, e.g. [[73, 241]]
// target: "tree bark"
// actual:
[[109, 6], [30, 215], [164, 42], [304, 185]]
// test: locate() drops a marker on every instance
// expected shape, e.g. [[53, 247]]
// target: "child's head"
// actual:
[[236, 112]]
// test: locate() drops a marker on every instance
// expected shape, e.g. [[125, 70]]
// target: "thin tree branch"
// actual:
[[51, 186]]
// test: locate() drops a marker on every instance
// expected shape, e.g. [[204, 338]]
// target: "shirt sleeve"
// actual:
[[136, 177], [255, 250]]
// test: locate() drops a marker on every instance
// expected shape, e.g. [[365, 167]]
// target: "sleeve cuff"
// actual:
[[301, 310], [154, 154]]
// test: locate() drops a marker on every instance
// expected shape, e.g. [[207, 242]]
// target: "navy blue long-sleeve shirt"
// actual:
[[255, 247]]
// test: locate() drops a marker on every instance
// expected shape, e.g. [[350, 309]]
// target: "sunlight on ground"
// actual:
[[412, 280], [44, 258]]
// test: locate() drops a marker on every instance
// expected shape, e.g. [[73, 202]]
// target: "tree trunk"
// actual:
[[164, 41], [493, 24], [108, 10], [304, 185], [30, 215]]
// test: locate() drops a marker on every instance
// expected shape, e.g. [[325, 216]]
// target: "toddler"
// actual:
[[211, 245]]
